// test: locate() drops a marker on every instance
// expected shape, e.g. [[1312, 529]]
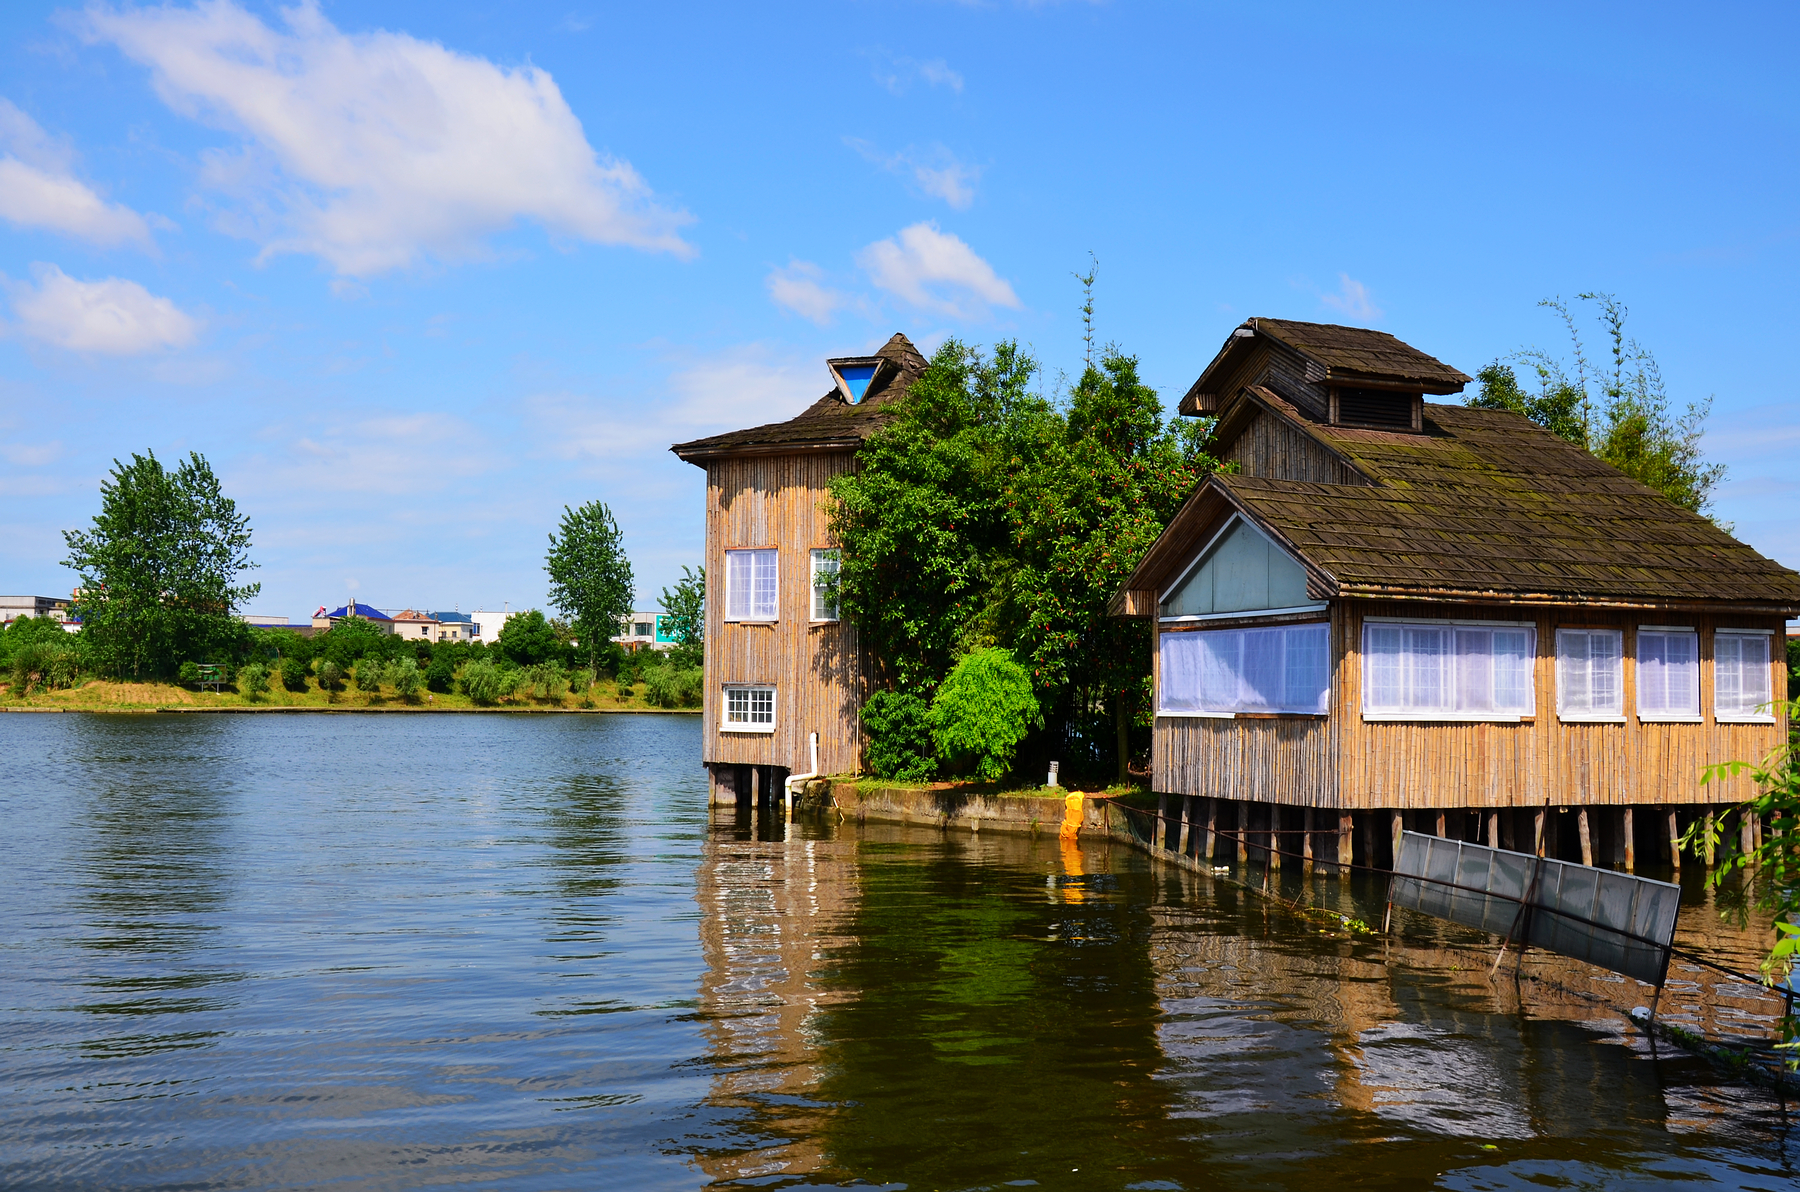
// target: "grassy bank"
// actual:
[[99, 695]]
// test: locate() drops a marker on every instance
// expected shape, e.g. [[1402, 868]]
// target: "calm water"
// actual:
[[490, 951]]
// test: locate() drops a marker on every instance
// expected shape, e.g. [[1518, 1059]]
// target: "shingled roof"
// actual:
[[1483, 506], [1331, 355], [829, 423]]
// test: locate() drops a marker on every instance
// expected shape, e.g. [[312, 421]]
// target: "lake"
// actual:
[[490, 951]]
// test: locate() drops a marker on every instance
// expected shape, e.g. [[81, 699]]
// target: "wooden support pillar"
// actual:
[[1184, 824], [1628, 829], [1587, 838], [1240, 809], [756, 791], [1346, 839], [1274, 834], [1674, 841], [1538, 825], [1212, 826], [1493, 829], [1306, 836], [1159, 834], [1746, 834], [1396, 826], [1441, 826], [1712, 828], [1755, 835]]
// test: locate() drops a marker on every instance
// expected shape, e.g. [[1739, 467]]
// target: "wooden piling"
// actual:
[[1306, 836], [1587, 838], [1630, 832], [1346, 840], [1674, 841]]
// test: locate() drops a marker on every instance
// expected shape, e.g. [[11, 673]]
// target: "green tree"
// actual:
[[590, 577], [158, 568], [527, 639], [684, 612], [898, 737], [1620, 411], [253, 680], [982, 712]]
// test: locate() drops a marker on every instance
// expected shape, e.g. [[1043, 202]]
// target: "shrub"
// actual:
[[982, 712], [330, 675], [481, 680], [293, 673], [674, 686], [44, 663], [370, 671], [441, 675], [253, 680], [510, 676], [188, 675], [898, 737], [405, 677]]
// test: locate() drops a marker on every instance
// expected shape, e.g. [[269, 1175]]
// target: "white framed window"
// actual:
[[750, 585], [824, 584], [1444, 670], [1220, 672], [749, 710], [1741, 677], [1590, 675], [1668, 673]]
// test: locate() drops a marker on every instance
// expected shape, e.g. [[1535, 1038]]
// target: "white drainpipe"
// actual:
[[788, 786]]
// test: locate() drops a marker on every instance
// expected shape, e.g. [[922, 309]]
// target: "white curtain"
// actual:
[[1424, 669], [1740, 674], [1279, 669], [750, 585], [1668, 672], [1590, 672]]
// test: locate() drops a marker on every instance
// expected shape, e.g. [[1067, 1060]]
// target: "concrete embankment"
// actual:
[[956, 809]]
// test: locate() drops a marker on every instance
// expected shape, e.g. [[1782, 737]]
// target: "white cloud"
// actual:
[[935, 271], [375, 150], [1352, 299], [801, 289], [38, 188], [899, 74], [112, 316], [936, 170]]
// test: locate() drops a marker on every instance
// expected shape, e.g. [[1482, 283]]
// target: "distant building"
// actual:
[[645, 629], [416, 626], [455, 627], [381, 621], [270, 621], [488, 623], [14, 607]]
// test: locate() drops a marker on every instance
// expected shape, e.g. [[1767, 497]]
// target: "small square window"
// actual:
[[1668, 673], [1741, 678], [749, 710], [1590, 674], [824, 585], [750, 585]]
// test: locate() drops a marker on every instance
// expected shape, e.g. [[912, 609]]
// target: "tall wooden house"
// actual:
[[780, 664], [1396, 612]]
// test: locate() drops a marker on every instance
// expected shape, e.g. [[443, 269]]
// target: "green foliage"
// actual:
[[590, 577], [189, 674], [158, 566], [528, 639], [982, 712], [441, 675], [481, 681], [684, 608], [370, 671], [674, 685], [987, 515], [349, 640], [47, 662], [543, 681], [1771, 869], [331, 675], [26, 630], [1793, 665], [406, 678], [1620, 413], [293, 674], [253, 680], [897, 737]]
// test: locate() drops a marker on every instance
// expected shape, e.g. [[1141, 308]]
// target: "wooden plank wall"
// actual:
[[1272, 446], [1344, 762], [820, 672]]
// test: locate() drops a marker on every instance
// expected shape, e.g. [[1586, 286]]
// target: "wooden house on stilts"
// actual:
[[780, 664], [1400, 613]]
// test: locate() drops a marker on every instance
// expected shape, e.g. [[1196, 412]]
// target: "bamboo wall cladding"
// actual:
[[1344, 761], [1272, 447], [820, 671]]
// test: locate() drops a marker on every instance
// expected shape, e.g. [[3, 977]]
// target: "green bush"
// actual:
[[189, 674], [898, 737], [44, 663], [982, 711], [674, 686], [405, 677], [481, 681], [253, 680], [293, 673], [441, 675], [510, 677], [370, 672], [330, 675]]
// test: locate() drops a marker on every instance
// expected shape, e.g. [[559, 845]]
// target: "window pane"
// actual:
[[1221, 668], [1740, 673], [1263, 680], [1513, 688], [1590, 675], [1308, 666], [1571, 670], [1474, 670], [824, 585], [737, 584], [1383, 681], [762, 598], [1245, 670], [1178, 672], [1426, 655]]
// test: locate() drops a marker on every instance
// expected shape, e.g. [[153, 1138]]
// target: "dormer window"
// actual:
[[1383, 409], [855, 375]]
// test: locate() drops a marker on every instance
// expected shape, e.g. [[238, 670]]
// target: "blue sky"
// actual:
[[414, 276]]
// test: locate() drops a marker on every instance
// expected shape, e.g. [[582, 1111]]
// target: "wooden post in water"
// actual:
[[1212, 826], [1493, 829], [1674, 841], [1274, 835], [1627, 829], [1240, 815], [1159, 834], [1712, 827], [1587, 839], [1306, 836], [1396, 825], [1346, 839], [1746, 835], [1537, 830]]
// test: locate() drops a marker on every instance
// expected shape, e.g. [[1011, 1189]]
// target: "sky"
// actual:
[[413, 277]]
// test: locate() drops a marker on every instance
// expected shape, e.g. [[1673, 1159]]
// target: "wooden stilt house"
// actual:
[[1400, 613], [780, 664]]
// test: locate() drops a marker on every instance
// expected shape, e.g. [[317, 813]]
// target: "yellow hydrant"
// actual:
[[1072, 808]]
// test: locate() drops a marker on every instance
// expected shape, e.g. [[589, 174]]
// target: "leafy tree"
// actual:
[[404, 675], [253, 680], [349, 640], [481, 681], [898, 737], [158, 568], [441, 675], [590, 577], [370, 672], [674, 686], [330, 675], [1620, 411], [982, 712], [25, 631], [293, 674], [684, 610], [527, 640]]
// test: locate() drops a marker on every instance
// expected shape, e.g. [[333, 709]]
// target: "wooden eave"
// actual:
[[701, 456]]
